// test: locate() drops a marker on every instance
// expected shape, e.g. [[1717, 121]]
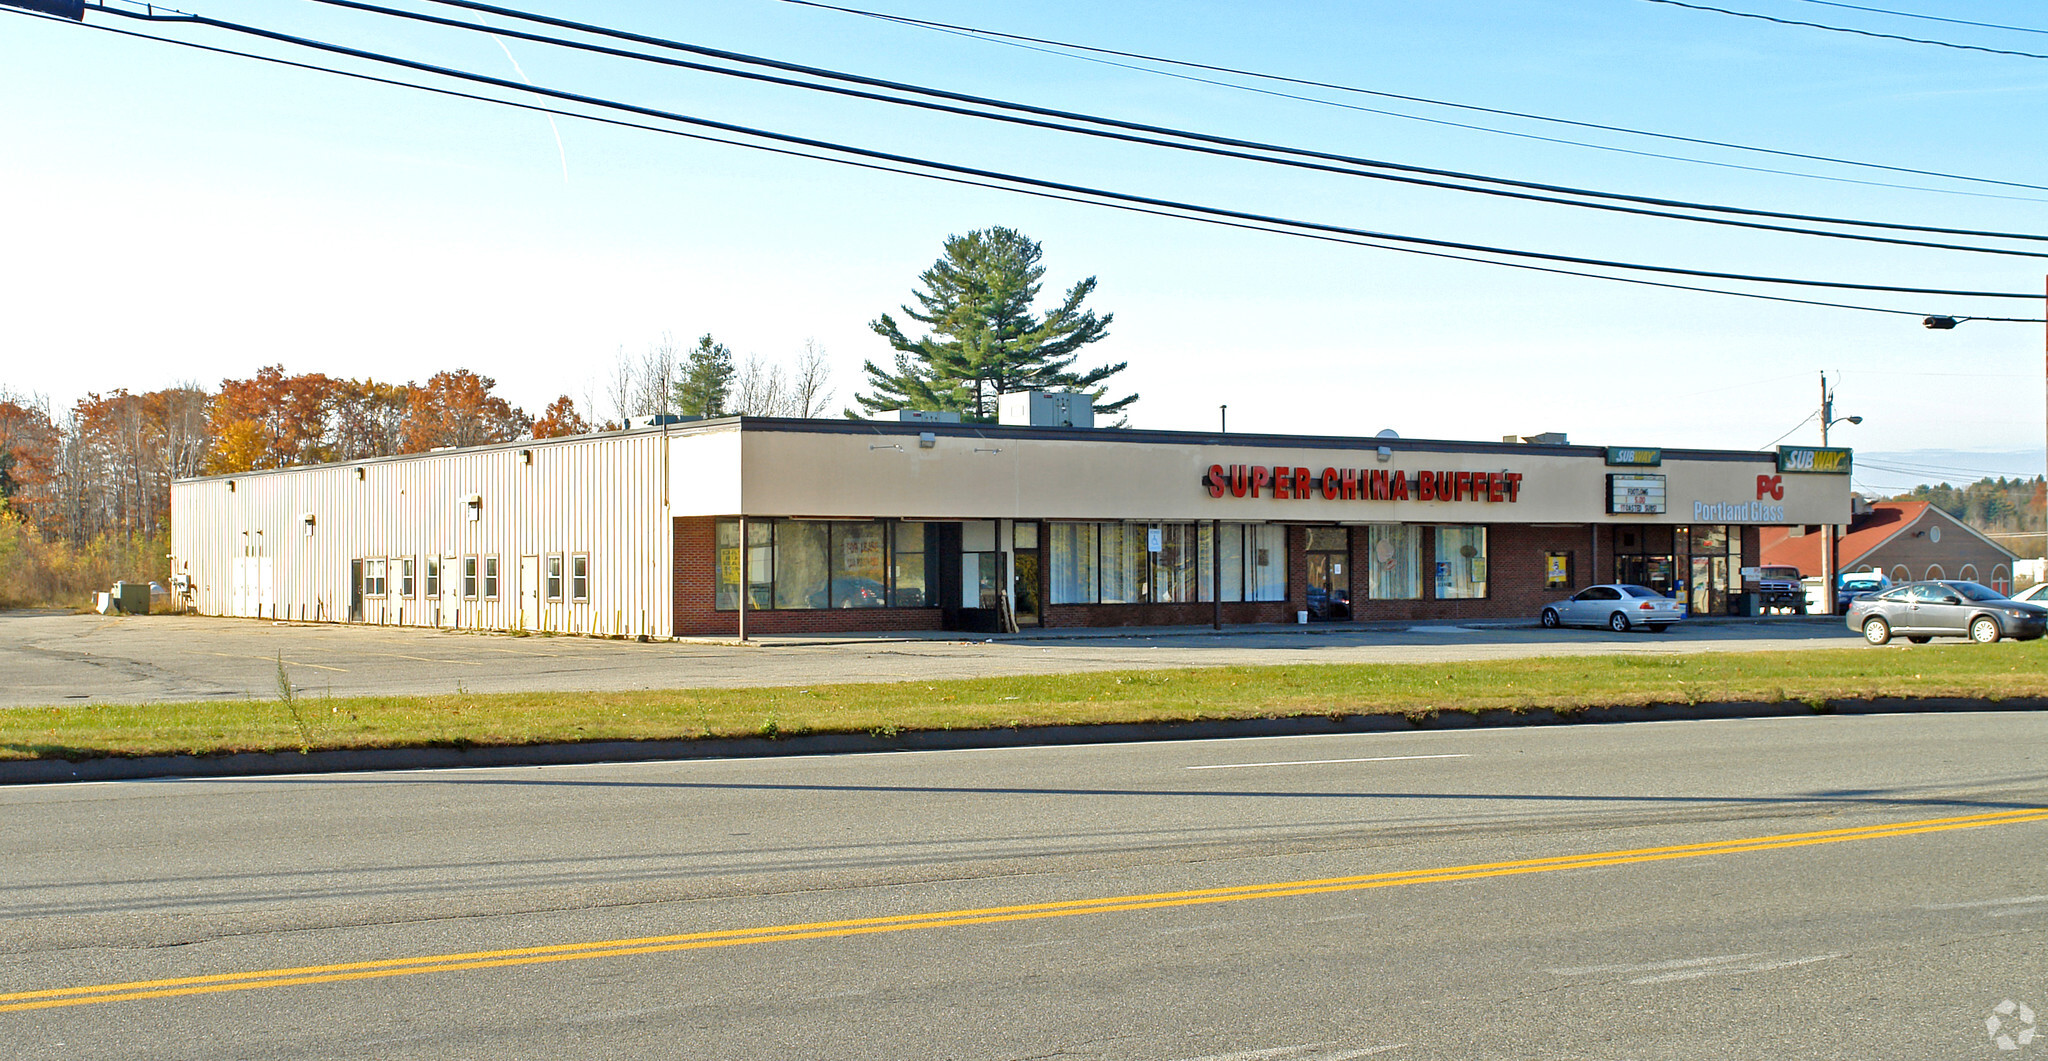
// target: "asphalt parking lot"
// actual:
[[51, 658]]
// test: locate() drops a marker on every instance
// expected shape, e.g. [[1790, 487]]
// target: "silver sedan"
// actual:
[[1920, 611], [1616, 606]]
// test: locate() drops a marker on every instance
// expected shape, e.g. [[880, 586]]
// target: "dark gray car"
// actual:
[[1919, 611]]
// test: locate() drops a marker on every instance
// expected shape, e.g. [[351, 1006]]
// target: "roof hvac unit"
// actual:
[[923, 416], [1046, 409]]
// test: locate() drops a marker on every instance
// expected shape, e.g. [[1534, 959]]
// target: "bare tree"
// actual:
[[759, 389], [809, 384], [654, 378]]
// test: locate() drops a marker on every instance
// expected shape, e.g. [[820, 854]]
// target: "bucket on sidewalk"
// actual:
[[1301, 618]]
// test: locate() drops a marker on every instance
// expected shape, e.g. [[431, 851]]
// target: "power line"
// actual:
[[1845, 29], [1275, 226], [361, 5], [1149, 201], [1001, 37], [1091, 119], [1928, 18]]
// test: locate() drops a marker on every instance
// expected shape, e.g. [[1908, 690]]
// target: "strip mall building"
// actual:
[[880, 525]]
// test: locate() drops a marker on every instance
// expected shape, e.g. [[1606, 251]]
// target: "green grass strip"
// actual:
[[462, 719]]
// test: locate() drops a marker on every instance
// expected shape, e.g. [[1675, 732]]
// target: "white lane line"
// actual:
[[1981, 903], [1320, 762], [1306, 1052], [2017, 912], [1731, 970], [1651, 967]]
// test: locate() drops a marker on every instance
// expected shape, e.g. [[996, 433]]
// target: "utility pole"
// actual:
[[1827, 552]]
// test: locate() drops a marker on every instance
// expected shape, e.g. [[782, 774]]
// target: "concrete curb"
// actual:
[[350, 761]]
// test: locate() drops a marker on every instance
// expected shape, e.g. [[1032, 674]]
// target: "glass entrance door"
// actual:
[[1329, 573]]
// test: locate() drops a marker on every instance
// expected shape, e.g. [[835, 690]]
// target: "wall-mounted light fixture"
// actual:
[[231, 486], [927, 440], [1386, 454], [526, 457], [306, 521], [361, 475], [474, 505]]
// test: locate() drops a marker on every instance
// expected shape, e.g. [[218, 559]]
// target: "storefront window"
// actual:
[[1073, 563], [811, 564], [1460, 563], [1124, 563], [1396, 562], [1180, 576], [1266, 561], [909, 591], [859, 571], [1233, 561]]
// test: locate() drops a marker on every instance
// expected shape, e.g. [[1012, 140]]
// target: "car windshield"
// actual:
[[1861, 583], [1640, 591], [1976, 591]]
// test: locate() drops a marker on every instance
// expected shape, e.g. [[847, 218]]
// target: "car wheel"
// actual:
[[1551, 620], [1618, 622], [1920, 639], [1876, 630], [1984, 630]]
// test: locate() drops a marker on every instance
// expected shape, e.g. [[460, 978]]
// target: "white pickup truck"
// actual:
[[1779, 587]]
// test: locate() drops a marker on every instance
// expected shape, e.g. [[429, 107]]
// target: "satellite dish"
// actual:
[[1388, 433]]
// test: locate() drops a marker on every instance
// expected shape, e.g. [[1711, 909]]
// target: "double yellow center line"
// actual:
[[615, 948]]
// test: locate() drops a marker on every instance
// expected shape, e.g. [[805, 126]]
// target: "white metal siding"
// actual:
[[600, 496]]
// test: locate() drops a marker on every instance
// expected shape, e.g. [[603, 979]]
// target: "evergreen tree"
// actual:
[[984, 339], [706, 386]]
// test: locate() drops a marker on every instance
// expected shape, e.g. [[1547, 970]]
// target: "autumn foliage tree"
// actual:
[[560, 420]]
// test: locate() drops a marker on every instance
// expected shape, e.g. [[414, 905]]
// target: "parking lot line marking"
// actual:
[[1321, 762], [274, 659], [52, 998]]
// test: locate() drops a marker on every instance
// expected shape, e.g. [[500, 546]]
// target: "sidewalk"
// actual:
[[1107, 633]]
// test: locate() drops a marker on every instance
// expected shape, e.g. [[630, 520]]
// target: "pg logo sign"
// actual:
[[1770, 486], [1812, 460]]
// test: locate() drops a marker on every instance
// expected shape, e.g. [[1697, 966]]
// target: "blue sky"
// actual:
[[173, 216]]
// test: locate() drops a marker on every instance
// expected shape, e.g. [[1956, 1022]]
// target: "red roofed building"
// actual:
[[1907, 540]]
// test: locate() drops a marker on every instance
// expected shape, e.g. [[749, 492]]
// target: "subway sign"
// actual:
[[1623, 457], [1813, 460]]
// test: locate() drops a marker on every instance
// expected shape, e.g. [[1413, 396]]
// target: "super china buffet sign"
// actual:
[[1360, 484]]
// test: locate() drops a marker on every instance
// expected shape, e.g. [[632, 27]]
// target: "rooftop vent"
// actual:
[[922, 416], [1046, 409], [1547, 438]]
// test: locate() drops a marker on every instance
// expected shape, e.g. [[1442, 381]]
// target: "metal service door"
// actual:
[[529, 593]]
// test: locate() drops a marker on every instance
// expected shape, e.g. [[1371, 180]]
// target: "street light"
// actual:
[[1831, 554]]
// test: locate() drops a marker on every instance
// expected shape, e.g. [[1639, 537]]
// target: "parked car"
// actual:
[[2038, 592], [1850, 585], [1921, 611], [1616, 606]]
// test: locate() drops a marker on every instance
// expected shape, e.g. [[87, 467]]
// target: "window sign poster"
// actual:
[[1152, 540], [1556, 570]]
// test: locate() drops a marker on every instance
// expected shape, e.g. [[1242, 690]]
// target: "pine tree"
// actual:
[[706, 386], [984, 339]]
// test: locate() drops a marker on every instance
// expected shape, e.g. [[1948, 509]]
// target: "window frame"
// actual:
[[579, 577], [407, 583], [432, 582], [376, 576], [472, 578], [490, 586], [553, 577]]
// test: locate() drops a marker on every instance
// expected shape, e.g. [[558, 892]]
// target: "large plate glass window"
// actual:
[[1460, 563], [1396, 558], [907, 587], [1073, 563]]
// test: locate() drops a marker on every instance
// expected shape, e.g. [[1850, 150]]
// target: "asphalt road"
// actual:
[[54, 659], [1812, 887]]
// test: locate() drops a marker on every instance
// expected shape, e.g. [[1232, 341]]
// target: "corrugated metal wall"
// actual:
[[598, 496]]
